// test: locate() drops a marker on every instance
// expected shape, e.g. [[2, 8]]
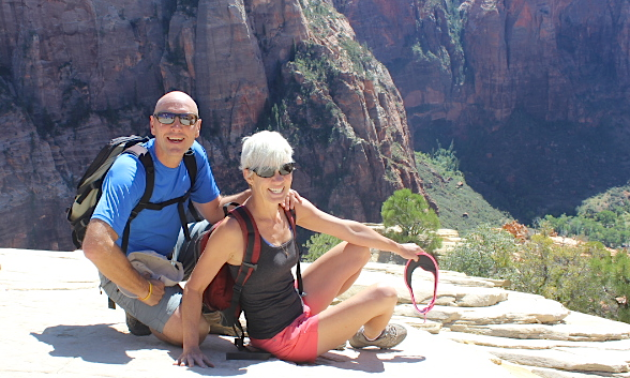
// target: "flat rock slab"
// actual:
[[575, 327], [55, 323], [602, 358], [538, 344], [569, 359], [528, 309]]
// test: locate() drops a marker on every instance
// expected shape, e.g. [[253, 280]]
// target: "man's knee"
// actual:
[[188, 250]]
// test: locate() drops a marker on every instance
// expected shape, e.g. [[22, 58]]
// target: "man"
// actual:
[[175, 124]]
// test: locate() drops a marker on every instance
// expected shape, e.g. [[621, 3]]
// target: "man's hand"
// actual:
[[156, 293], [291, 199]]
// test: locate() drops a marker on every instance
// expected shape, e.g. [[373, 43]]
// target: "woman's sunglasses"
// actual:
[[268, 172], [167, 118]]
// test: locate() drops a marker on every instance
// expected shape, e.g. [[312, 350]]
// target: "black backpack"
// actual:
[[89, 188]]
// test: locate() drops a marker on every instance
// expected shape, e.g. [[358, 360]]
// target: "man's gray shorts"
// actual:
[[187, 253]]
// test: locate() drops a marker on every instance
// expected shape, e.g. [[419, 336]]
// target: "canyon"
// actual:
[[532, 93]]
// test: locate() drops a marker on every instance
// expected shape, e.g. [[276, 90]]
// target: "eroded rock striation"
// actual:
[[532, 92], [73, 75]]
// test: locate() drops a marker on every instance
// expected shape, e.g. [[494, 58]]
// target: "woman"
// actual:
[[291, 327]]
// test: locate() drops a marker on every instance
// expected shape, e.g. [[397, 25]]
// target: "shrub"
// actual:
[[560, 273], [486, 252], [614, 272], [318, 244], [584, 278]]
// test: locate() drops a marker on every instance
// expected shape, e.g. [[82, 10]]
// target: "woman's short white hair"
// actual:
[[265, 149]]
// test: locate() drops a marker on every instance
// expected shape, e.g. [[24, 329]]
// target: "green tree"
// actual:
[[607, 218], [415, 220]]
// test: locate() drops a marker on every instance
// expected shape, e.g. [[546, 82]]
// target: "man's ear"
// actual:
[[198, 128], [151, 120]]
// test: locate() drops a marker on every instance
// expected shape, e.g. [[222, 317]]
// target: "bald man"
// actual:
[[150, 306]]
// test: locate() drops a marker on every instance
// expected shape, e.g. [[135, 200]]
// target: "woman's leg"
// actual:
[[372, 308], [332, 274]]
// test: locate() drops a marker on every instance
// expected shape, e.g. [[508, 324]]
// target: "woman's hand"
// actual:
[[193, 357], [291, 199], [410, 251]]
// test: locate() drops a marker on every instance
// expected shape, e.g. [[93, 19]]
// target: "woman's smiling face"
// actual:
[[274, 188]]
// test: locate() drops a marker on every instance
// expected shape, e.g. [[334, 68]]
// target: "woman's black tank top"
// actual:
[[269, 299]]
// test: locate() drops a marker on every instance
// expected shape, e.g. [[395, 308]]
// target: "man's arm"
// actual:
[[213, 210], [99, 247]]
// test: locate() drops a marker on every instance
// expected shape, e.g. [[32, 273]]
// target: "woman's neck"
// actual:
[[264, 211]]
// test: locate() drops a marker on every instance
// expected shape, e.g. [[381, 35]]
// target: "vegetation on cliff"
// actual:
[[604, 217], [459, 206]]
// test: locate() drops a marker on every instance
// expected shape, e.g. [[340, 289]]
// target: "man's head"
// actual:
[[175, 124]]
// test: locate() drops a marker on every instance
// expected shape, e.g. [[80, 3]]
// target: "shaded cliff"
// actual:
[[73, 75], [534, 93]]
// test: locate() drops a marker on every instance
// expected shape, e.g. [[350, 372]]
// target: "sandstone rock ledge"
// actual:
[[535, 333], [57, 324]]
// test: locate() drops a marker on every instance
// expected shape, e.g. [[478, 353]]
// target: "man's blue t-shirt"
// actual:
[[124, 185]]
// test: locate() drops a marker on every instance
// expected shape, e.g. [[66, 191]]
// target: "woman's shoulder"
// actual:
[[229, 227], [227, 238]]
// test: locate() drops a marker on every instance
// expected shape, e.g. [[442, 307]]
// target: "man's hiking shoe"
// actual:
[[391, 336], [136, 327]]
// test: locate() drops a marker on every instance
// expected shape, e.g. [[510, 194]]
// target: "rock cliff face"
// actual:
[[74, 74], [533, 92]]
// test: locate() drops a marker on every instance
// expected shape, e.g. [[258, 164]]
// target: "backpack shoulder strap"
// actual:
[[191, 165], [251, 237], [145, 158], [290, 214], [190, 161]]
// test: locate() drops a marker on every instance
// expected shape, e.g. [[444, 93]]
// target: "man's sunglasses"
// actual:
[[167, 118], [268, 172]]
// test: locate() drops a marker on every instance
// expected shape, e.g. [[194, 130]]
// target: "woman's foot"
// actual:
[[391, 336]]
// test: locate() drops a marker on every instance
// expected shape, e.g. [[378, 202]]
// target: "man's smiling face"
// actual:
[[173, 140]]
